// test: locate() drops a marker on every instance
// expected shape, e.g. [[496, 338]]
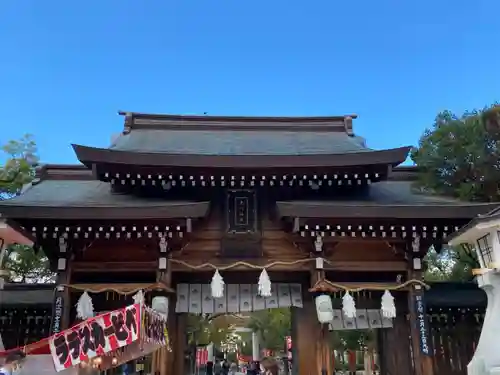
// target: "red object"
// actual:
[[201, 357], [244, 358], [351, 358], [116, 329], [288, 340], [120, 328]]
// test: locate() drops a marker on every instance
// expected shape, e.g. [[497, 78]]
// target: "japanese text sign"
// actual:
[[95, 337], [422, 325], [155, 327]]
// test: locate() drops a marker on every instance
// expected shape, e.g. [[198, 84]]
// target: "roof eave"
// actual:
[[92, 155], [177, 211], [475, 229], [418, 211]]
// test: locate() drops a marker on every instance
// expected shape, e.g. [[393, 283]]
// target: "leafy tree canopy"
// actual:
[[451, 264], [272, 325], [26, 266], [19, 169], [459, 156], [204, 329]]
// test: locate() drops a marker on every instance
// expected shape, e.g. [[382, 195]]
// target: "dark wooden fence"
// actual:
[[455, 313]]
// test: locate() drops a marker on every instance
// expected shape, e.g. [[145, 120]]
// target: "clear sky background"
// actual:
[[66, 67]]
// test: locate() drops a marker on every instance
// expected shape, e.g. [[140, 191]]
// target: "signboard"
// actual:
[[422, 325], [58, 311], [95, 337], [155, 327]]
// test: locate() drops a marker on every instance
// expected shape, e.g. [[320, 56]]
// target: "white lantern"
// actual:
[[324, 308], [482, 235], [160, 304]]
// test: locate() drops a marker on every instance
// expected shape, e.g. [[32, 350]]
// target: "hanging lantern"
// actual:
[[84, 307], [324, 308], [387, 305], [348, 306], [217, 285], [160, 304], [264, 287]]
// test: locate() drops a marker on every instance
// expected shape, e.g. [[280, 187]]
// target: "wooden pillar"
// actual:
[[180, 344], [162, 358], [61, 304], [305, 328], [419, 328], [312, 354]]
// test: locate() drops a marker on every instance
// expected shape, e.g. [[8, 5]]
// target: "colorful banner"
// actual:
[[95, 337], [155, 327]]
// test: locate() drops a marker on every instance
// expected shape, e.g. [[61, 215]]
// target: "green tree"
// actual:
[[451, 264], [272, 325], [27, 266], [204, 329], [459, 157], [19, 169]]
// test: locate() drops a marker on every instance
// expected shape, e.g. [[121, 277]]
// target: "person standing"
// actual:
[[234, 370], [12, 363]]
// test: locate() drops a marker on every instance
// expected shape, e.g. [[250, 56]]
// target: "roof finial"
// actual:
[[129, 119], [348, 125]]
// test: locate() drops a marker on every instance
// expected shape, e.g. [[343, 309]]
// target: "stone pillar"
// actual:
[[255, 347], [210, 352], [486, 359]]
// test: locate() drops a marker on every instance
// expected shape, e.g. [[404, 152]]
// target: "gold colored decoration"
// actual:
[[327, 286]]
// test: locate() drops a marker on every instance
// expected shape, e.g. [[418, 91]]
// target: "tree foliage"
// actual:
[[19, 169], [451, 264], [459, 157], [26, 266], [204, 329], [272, 325]]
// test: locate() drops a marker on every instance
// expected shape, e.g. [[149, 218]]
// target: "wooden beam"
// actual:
[[367, 265], [93, 266], [297, 264]]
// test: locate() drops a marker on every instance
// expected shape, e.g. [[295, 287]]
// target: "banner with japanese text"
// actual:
[[155, 327], [96, 337]]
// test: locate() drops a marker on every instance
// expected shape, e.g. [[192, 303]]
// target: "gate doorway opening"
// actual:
[[238, 338]]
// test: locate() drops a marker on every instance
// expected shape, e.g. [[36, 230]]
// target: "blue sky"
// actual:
[[67, 66]]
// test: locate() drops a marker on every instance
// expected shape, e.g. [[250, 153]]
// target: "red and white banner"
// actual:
[[96, 337], [201, 357]]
